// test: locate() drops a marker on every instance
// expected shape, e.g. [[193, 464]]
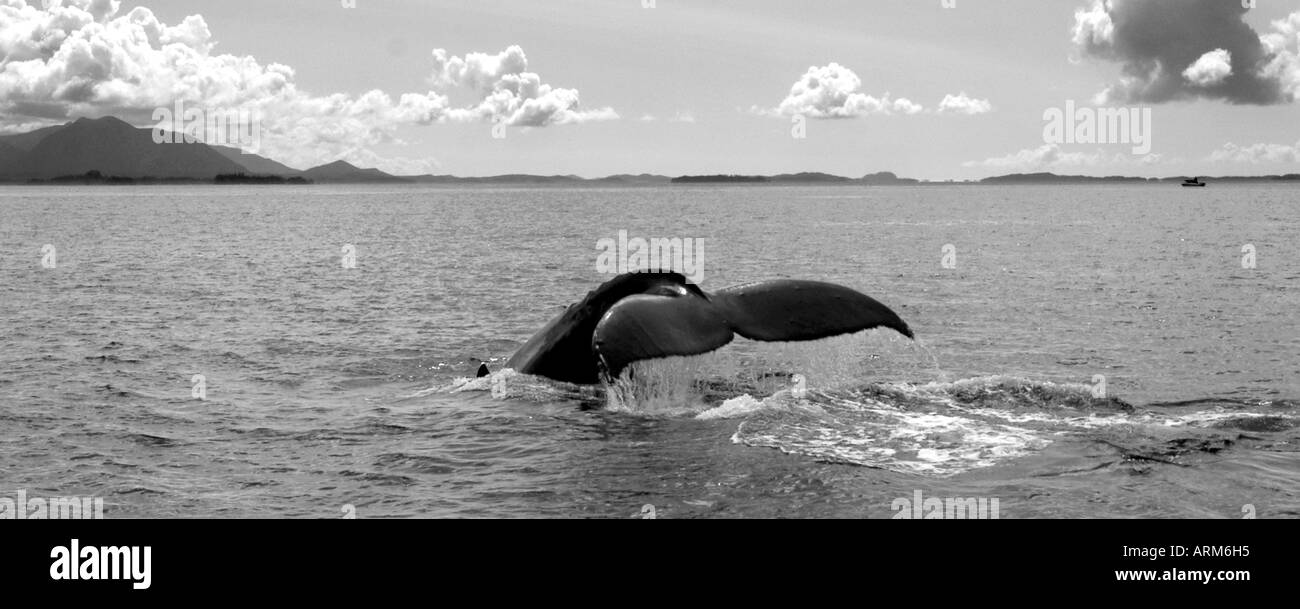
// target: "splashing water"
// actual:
[[944, 429], [813, 402], [690, 386]]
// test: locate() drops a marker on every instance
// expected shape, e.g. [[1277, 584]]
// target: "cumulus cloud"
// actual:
[[66, 58], [834, 91], [1257, 154], [1210, 69], [962, 104], [1283, 45], [1172, 50], [1052, 157], [508, 91]]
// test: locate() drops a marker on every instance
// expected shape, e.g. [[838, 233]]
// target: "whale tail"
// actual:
[[645, 327]]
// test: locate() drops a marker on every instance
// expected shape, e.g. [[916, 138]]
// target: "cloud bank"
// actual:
[[1257, 154], [1171, 50], [67, 58], [1052, 157]]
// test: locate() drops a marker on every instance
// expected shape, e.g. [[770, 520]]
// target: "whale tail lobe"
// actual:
[[645, 327]]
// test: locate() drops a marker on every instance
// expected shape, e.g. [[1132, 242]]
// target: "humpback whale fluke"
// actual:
[[642, 316]]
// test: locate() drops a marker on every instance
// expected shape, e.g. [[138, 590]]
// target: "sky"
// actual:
[[931, 89]]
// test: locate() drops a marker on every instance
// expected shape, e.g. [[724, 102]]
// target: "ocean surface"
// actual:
[[1082, 352]]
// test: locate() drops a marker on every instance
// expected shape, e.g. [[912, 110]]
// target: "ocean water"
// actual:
[[330, 391]]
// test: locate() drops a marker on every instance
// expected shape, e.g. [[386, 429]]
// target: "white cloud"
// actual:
[[1035, 158], [1211, 69], [1257, 154], [1052, 157], [962, 104], [509, 92], [1283, 44], [680, 117], [1093, 27], [834, 91], [84, 58]]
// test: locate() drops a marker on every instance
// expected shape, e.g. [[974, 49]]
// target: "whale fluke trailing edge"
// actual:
[[642, 316]]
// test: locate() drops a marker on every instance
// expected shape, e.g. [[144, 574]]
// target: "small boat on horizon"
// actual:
[[1194, 183]]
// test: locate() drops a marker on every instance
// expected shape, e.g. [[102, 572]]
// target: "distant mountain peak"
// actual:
[[340, 164], [106, 121], [343, 171], [111, 147]]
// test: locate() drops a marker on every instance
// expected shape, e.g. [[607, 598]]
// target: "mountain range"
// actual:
[[883, 178], [113, 149], [1051, 178]]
